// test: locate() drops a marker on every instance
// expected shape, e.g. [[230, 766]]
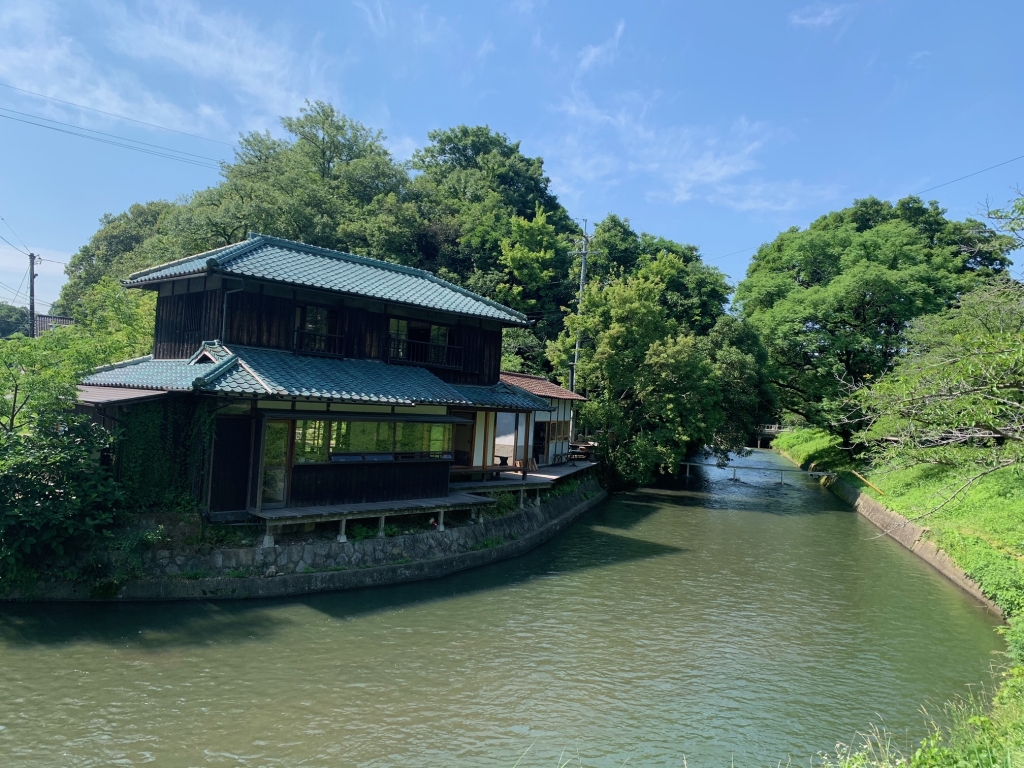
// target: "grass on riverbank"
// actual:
[[984, 534]]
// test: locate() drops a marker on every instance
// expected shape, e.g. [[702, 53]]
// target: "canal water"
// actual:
[[733, 623]]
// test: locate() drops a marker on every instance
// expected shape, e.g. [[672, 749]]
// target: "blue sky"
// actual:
[[718, 124]]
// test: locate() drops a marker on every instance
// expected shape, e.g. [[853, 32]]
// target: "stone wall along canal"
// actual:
[[746, 621]]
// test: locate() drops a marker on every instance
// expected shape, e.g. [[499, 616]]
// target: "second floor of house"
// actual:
[[281, 295]]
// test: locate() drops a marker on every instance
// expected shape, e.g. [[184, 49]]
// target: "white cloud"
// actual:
[[216, 47], [592, 55], [401, 147], [378, 16], [771, 196], [818, 15], [40, 56], [620, 140], [486, 48]]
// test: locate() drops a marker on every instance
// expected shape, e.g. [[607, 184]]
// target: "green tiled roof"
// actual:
[[292, 263], [272, 373], [502, 396]]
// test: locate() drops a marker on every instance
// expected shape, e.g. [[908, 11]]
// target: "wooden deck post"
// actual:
[[440, 520], [522, 493], [341, 531], [268, 538], [380, 529]]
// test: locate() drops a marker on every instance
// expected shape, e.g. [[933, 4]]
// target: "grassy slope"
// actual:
[[984, 534]]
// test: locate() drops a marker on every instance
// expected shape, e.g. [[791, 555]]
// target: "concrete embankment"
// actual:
[[907, 533], [325, 565]]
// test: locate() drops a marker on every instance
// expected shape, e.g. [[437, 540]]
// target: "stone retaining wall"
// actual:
[[325, 565], [909, 534]]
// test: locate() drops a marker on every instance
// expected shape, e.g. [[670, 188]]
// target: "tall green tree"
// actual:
[[666, 371], [12, 320], [956, 398], [832, 302]]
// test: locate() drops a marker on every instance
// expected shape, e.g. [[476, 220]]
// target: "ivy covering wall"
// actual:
[[163, 451]]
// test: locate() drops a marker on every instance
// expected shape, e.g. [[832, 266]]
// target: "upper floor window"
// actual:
[[421, 343], [318, 331]]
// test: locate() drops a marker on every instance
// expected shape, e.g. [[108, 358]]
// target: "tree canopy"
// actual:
[[832, 302], [665, 369], [956, 399]]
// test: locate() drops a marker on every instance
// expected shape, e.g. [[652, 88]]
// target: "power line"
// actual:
[[937, 186], [119, 117], [112, 135], [997, 165], [13, 232], [15, 293], [13, 245], [116, 144]]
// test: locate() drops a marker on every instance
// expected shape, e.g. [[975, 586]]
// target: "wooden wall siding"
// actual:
[[185, 321], [257, 320], [376, 344], [356, 482]]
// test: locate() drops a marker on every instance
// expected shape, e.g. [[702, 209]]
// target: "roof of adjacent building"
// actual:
[[292, 263], [269, 373], [539, 386]]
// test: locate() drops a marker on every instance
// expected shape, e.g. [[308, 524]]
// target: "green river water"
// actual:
[[728, 622]]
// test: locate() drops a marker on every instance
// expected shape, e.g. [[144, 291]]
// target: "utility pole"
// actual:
[[583, 252], [32, 295]]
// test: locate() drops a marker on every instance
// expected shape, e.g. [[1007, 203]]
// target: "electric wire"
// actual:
[[13, 245], [111, 135], [997, 165], [937, 186], [15, 293], [116, 144], [119, 117], [13, 232]]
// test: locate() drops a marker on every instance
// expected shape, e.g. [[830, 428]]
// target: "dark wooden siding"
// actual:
[[376, 336], [185, 321], [257, 320], [356, 482]]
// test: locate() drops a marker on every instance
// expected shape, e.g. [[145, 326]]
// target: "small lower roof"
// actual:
[[91, 395]]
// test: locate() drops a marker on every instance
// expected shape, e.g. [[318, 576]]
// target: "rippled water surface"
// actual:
[[747, 621]]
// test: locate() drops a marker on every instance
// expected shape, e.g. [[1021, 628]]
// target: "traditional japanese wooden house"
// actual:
[[334, 380]]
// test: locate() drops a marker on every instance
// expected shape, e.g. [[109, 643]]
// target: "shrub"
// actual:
[[56, 497]]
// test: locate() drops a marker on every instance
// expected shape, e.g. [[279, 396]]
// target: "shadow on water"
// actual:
[[156, 626]]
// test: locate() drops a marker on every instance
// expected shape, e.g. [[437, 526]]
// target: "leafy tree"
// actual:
[[37, 378], [12, 320], [665, 374], [56, 497], [109, 251], [832, 302], [956, 399]]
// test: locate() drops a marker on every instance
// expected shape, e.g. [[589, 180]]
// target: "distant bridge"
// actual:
[[768, 470], [770, 431]]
